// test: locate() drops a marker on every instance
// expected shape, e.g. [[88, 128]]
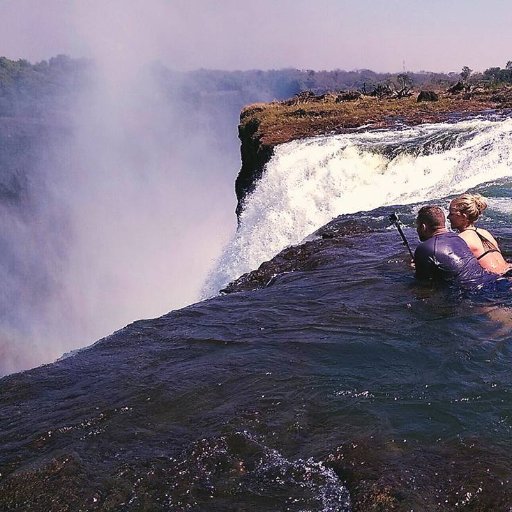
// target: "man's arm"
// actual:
[[423, 261]]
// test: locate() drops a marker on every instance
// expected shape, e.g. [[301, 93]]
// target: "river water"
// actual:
[[343, 386]]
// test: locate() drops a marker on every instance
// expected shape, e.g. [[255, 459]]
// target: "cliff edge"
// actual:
[[265, 125]]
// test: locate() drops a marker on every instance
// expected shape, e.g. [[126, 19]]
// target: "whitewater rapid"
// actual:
[[309, 182]]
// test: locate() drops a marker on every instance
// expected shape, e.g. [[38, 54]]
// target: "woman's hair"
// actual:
[[471, 204]]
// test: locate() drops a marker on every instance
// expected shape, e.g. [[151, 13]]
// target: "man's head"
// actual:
[[430, 221]]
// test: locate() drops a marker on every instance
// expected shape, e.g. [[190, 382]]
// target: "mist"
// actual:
[[126, 212]]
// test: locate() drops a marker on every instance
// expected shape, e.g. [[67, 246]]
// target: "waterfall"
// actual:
[[309, 182]]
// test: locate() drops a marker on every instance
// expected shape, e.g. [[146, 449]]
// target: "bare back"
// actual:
[[485, 248]]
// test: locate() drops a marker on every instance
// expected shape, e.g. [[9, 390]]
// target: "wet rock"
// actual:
[[390, 476], [254, 153], [305, 256]]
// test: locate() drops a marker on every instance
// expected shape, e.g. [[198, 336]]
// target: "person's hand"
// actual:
[[413, 265]]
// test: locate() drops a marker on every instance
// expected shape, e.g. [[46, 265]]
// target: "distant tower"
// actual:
[[403, 65]]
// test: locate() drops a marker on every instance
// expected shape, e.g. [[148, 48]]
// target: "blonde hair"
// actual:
[[471, 204]]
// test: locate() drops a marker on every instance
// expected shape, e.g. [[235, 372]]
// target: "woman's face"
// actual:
[[458, 220]]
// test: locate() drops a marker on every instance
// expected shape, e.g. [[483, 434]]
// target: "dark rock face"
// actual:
[[254, 156], [427, 96]]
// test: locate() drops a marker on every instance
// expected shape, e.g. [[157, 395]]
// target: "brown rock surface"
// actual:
[[265, 125]]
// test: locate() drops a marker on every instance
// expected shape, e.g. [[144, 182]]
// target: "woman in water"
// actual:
[[464, 212]]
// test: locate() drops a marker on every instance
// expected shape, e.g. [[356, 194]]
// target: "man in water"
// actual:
[[443, 255]]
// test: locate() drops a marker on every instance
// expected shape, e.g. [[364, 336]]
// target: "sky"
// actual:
[[390, 35]]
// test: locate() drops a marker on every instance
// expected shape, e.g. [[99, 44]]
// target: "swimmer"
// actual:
[[444, 255], [464, 212]]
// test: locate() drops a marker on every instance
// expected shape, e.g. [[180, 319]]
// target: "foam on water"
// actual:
[[309, 182], [500, 204]]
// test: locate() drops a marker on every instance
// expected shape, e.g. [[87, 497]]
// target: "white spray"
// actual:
[[133, 211]]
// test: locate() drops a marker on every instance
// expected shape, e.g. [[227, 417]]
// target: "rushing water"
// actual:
[[309, 182], [346, 386]]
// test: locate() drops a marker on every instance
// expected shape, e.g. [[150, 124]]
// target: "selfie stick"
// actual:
[[396, 221]]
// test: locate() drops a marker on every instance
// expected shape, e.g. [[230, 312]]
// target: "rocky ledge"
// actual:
[[302, 257], [265, 125]]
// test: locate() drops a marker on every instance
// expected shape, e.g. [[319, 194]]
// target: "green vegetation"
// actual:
[[285, 83], [498, 75], [33, 89], [36, 89]]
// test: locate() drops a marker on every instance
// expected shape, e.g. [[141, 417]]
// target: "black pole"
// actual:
[[396, 221]]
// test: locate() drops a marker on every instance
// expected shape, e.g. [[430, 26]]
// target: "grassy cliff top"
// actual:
[[284, 121]]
